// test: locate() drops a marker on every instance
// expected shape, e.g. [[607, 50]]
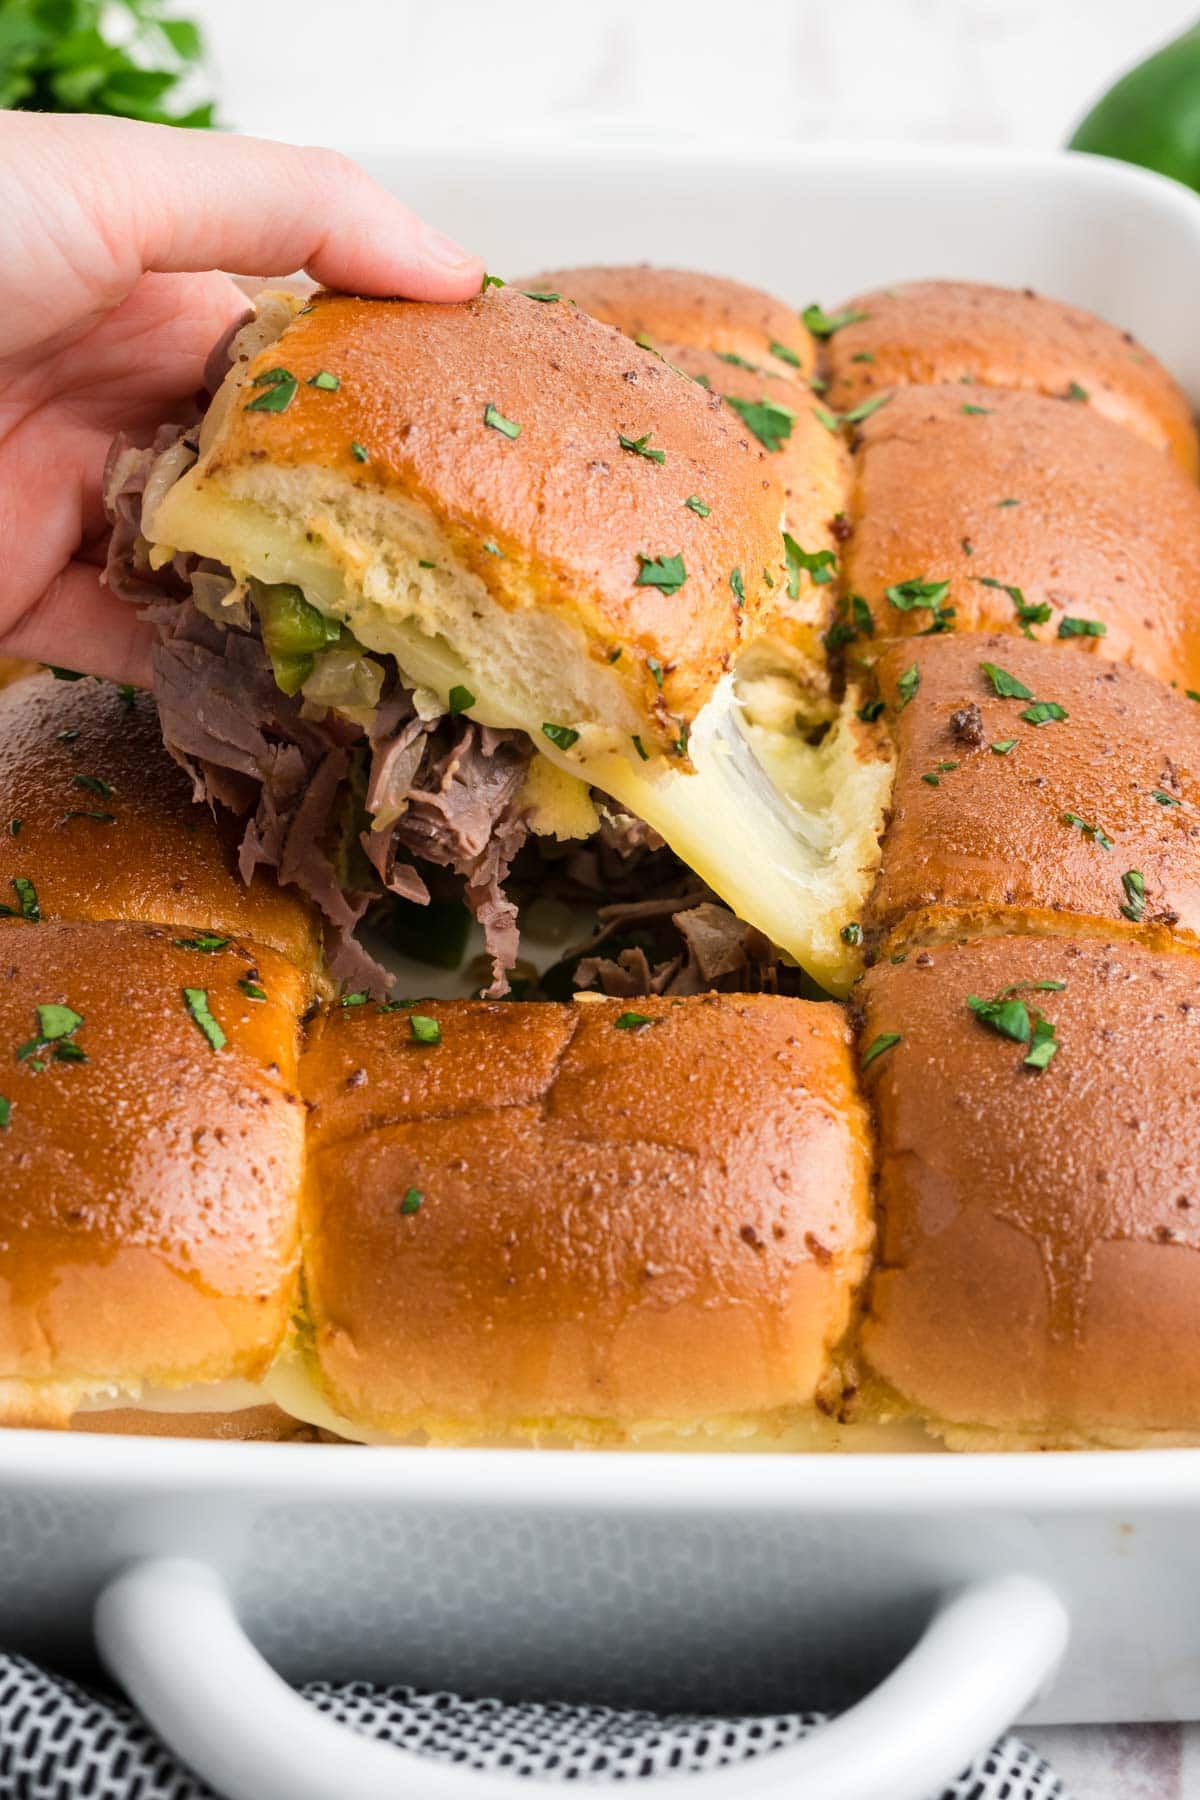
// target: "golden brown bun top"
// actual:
[[1036, 494], [999, 831], [682, 306], [571, 511], [95, 814], [934, 331], [1037, 1265], [147, 1191], [659, 1220], [812, 461]]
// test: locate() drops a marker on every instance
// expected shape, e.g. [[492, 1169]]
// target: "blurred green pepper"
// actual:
[[292, 631], [1152, 115]]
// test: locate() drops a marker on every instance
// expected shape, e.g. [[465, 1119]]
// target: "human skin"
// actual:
[[111, 238]]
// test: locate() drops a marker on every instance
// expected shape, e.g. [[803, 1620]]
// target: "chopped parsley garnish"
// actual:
[[1009, 1017], [887, 1040], [14, 827], [908, 684], [1069, 628], [196, 1001], [492, 281], [666, 573], [27, 901], [916, 596], [1027, 612], [784, 354], [492, 549], [561, 735], [975, 410], [356, 999], [656, 670], [1044, 712], [852, 933], [277, 397], [357, 451], [5, 1112], [323, 379], [823, 324], [56, 1025], [100, 818], [272, 378], [1163, 800], [695, 504], [1006, 686], [1002, 746], [424, 1030], [95, 785], [641, 749], [411, 1202], [641, 447], [833, 421], [769, 422], [1096, 833], [1008, 503], [208, 941], [870, 712], [65, 674], [1134, 905], [614, 655], [631, 1021], [738, 586], [251, 989], [739, 362], [458, 700], [863, 356], [1075, 392], [818, 565], [853, 620], [67, 737], [680, 745], [495, 418]]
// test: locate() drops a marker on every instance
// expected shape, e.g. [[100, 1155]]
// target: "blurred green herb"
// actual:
[[127, 57]]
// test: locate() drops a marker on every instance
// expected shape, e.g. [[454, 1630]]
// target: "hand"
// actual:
[[103, 327]]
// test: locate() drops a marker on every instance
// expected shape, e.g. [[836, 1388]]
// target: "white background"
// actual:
[[372, 72]]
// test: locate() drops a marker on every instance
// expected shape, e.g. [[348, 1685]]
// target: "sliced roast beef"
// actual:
[[342, 814]]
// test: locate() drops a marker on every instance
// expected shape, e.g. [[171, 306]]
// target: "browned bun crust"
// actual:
[[152, 855], [988, 844], [993, 337], [1037, 1279], [1103, 527], [812, 463], [265, 1424], [570, 510], [148, 1195], [682, 306], [661, 1224]]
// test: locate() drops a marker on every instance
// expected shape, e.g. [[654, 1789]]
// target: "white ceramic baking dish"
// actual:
[[1057, 1588]]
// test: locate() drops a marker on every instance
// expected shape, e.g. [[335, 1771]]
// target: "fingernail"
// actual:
[[444, 250]]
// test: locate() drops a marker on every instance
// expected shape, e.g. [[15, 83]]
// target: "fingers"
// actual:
[[78, 624], [102, 200]]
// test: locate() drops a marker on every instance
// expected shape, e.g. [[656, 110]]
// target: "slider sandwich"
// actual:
[[431, 581]]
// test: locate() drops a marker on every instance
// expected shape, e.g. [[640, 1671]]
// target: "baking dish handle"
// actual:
[[168, 1632]]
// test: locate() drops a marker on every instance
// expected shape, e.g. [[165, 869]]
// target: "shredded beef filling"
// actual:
[[341, 813], [348, 814]]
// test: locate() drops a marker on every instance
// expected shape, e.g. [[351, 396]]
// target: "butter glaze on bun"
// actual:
[[552, 1226], [490, 528], [94, 813], [148, 1181], [683, 306], [1037, 494], [924, 332], [1037, 1281], [997, 824]]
